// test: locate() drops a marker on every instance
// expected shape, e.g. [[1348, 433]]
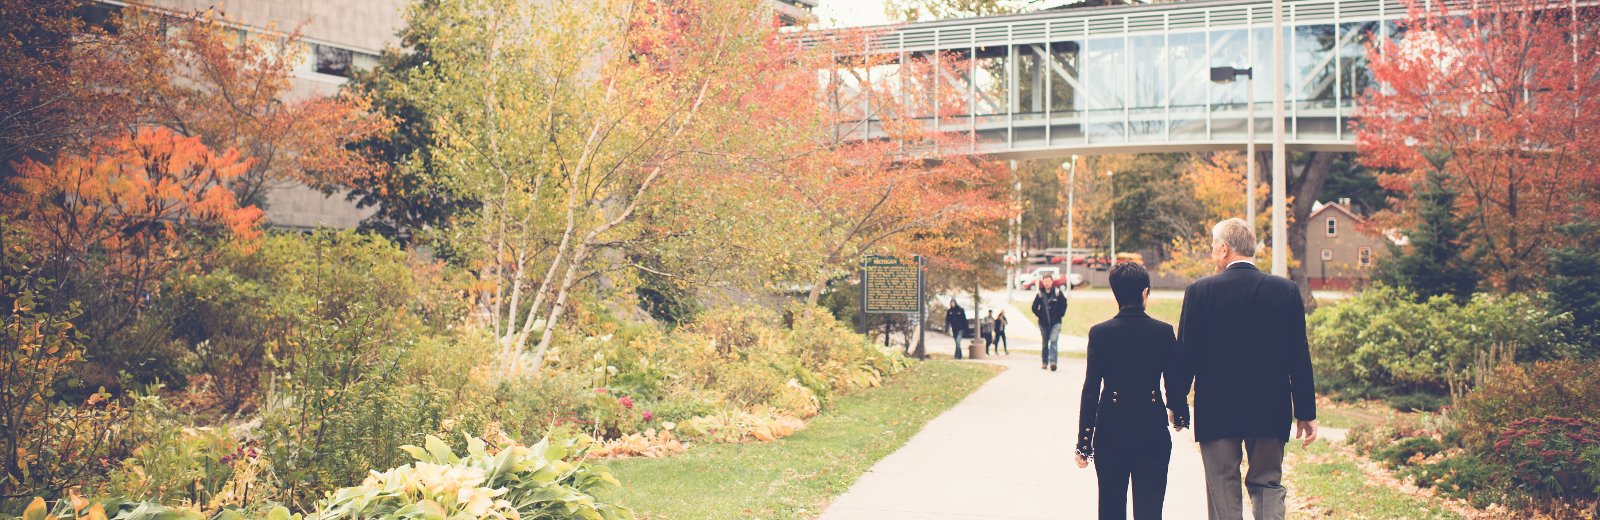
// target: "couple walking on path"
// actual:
[[1240, 342]]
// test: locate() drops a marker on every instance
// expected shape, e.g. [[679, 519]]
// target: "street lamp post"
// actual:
[[1014, 232], [1227, 75], [1280, 220], [1072, 173]]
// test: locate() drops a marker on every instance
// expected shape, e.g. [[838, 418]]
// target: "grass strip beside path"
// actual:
[[798, 476], [1329, 481]]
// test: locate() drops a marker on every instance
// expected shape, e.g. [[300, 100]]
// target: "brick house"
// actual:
[[1341, 247]]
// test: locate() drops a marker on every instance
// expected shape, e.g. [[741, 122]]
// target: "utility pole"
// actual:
[[1280, 220]]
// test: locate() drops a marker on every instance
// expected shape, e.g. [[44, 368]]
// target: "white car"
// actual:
[[1028, 279]]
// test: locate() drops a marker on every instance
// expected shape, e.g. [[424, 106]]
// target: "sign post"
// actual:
[[890, 285]]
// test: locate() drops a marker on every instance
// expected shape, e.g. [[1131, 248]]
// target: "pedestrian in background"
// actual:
[[988, 332], [1000, 333], [1050, 306], [955, 320]]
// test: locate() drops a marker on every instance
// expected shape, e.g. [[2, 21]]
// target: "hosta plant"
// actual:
[[550, 479]]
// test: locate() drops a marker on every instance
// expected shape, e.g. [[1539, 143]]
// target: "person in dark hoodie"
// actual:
[[1050, 306], [956, 321]]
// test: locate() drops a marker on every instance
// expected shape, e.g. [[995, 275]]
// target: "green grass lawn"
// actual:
[[1325, 482], [798, 476], [1086, 312]]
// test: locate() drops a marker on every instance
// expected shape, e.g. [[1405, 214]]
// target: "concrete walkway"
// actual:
[[1005, 452]]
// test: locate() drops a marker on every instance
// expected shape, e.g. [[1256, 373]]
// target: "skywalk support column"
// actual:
[[1280, 239]]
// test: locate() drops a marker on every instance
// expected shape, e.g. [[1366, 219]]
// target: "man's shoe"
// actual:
[[1052, 367], [1044, 367]]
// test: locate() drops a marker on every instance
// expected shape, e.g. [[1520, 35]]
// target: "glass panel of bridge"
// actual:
[[1147, 109], [1105, 75], [955, 90], [1314, 80], [1188, 68], [1067, 101], [990, 98], [1230, 48], [883, 76], [850, 99], [1029, 96], [1030, 92], [1355, 72], [918, 86]]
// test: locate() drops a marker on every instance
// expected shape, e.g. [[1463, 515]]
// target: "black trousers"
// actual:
[[1137, 456]]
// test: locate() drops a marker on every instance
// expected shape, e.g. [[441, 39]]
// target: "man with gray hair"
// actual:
[[1243, 335]]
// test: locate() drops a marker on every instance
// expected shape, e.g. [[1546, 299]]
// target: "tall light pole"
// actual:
[[1072, 173], [1014, 237], [1226, 75], [1113, 182], [1280, 220]]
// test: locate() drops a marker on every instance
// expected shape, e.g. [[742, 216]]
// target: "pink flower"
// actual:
[[649, 416], [627, 402], [599, 390]]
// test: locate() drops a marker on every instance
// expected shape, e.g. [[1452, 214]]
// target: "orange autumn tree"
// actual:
[[1500, 97], [199, 77], [865, 166], [111, 224]]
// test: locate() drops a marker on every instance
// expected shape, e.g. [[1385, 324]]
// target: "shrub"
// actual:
[[339, 385], [1384, 338], [1545, 456], [46, 443], [1408, 450], [550, 479], [1564, 388], [197, 466], [1462, 475]]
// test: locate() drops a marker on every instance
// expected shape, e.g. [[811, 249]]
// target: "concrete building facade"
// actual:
[[338, 38]]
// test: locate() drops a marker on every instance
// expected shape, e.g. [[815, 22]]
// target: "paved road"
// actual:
[[1005, 453]]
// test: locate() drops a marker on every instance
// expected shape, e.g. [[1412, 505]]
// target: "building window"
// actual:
[[332, 61], [1333, 226], [1365, 256], [1327, 254]]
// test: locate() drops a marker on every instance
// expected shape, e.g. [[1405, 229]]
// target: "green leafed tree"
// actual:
[[1435, 261], [413, 197], [1574, 282]]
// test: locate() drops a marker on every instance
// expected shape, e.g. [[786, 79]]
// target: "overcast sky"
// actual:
[[850, 13]]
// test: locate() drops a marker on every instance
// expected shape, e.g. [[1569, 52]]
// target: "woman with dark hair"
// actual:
[[1121, 423]]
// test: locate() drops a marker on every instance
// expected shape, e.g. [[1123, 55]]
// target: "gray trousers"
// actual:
[[1222, 457]]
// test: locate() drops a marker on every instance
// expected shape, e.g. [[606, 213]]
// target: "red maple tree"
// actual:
[[1501, 96]]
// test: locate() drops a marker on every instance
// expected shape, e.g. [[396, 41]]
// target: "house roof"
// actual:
[[1393, 235], [1319, 207]]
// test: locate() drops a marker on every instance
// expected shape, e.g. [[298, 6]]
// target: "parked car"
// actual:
[[1100, 262], [1029, 280]]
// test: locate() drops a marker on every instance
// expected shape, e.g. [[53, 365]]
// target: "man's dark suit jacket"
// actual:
[[1130, 354], [1243, 334]]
